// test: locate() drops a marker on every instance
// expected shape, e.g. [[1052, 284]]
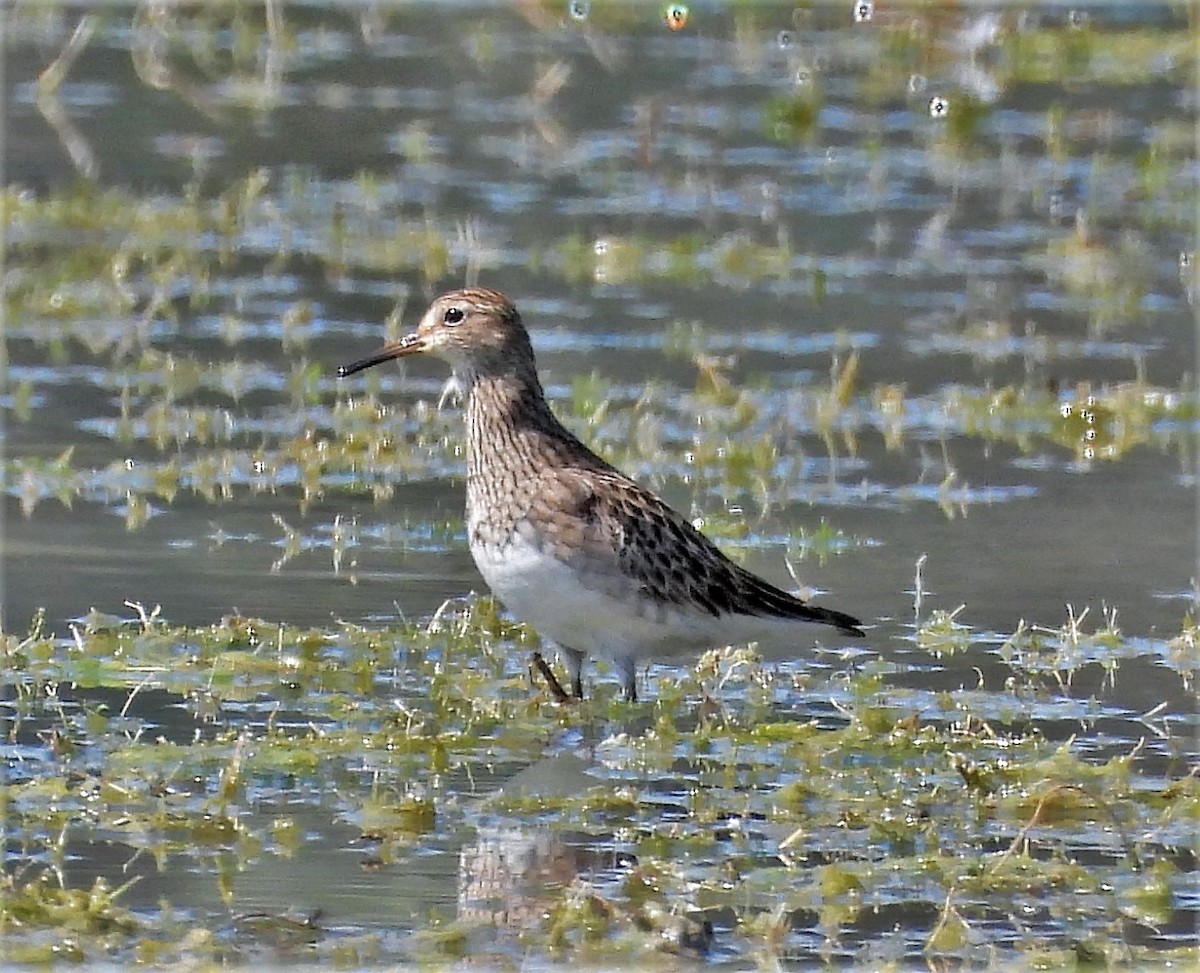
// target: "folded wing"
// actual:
[[623, 539]]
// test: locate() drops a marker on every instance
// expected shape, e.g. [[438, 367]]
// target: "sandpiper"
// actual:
[[568, 543]]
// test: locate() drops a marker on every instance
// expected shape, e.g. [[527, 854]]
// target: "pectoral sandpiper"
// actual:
[[569, 544]]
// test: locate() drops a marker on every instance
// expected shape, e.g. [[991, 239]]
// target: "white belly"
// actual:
[[597, 618]]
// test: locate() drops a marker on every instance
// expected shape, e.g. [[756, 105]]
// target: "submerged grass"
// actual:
[[746, 810]]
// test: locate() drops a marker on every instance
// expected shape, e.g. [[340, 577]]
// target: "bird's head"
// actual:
[[478, 331]]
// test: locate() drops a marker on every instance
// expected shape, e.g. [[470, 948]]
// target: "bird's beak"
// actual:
[[410, 344]]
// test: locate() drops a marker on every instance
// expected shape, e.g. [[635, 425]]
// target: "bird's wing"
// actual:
[[617, 535]]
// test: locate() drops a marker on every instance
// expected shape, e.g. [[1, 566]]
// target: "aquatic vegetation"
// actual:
[[743, 806], [725, 440]]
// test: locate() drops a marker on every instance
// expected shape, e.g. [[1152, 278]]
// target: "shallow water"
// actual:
[[845, 292]]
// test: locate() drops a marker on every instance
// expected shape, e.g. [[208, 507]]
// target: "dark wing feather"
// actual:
[[627, 531]]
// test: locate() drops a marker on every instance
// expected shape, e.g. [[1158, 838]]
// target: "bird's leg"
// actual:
[[551, 680], [573, 659], [627, 667]]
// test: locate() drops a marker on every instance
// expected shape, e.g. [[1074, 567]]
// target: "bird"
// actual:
[[570, 545]]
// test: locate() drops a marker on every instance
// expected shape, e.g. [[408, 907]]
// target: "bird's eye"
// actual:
[[453, 315]]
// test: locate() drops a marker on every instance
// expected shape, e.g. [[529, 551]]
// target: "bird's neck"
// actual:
[[513, 437], [508, 422]]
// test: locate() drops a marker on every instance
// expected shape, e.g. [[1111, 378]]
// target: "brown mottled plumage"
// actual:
[[571, 545]]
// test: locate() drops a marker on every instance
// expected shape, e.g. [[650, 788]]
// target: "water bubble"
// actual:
[[1089, 453], [578, 9], [259, 466], [1090, 435], [1088, 416], [129, 464], [917, 83], [786, 40], [938, 106], [676, 16], [803, 77], [864, 10], [1077, 19], [600, 248], [1185, 260], [1066, 410]]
